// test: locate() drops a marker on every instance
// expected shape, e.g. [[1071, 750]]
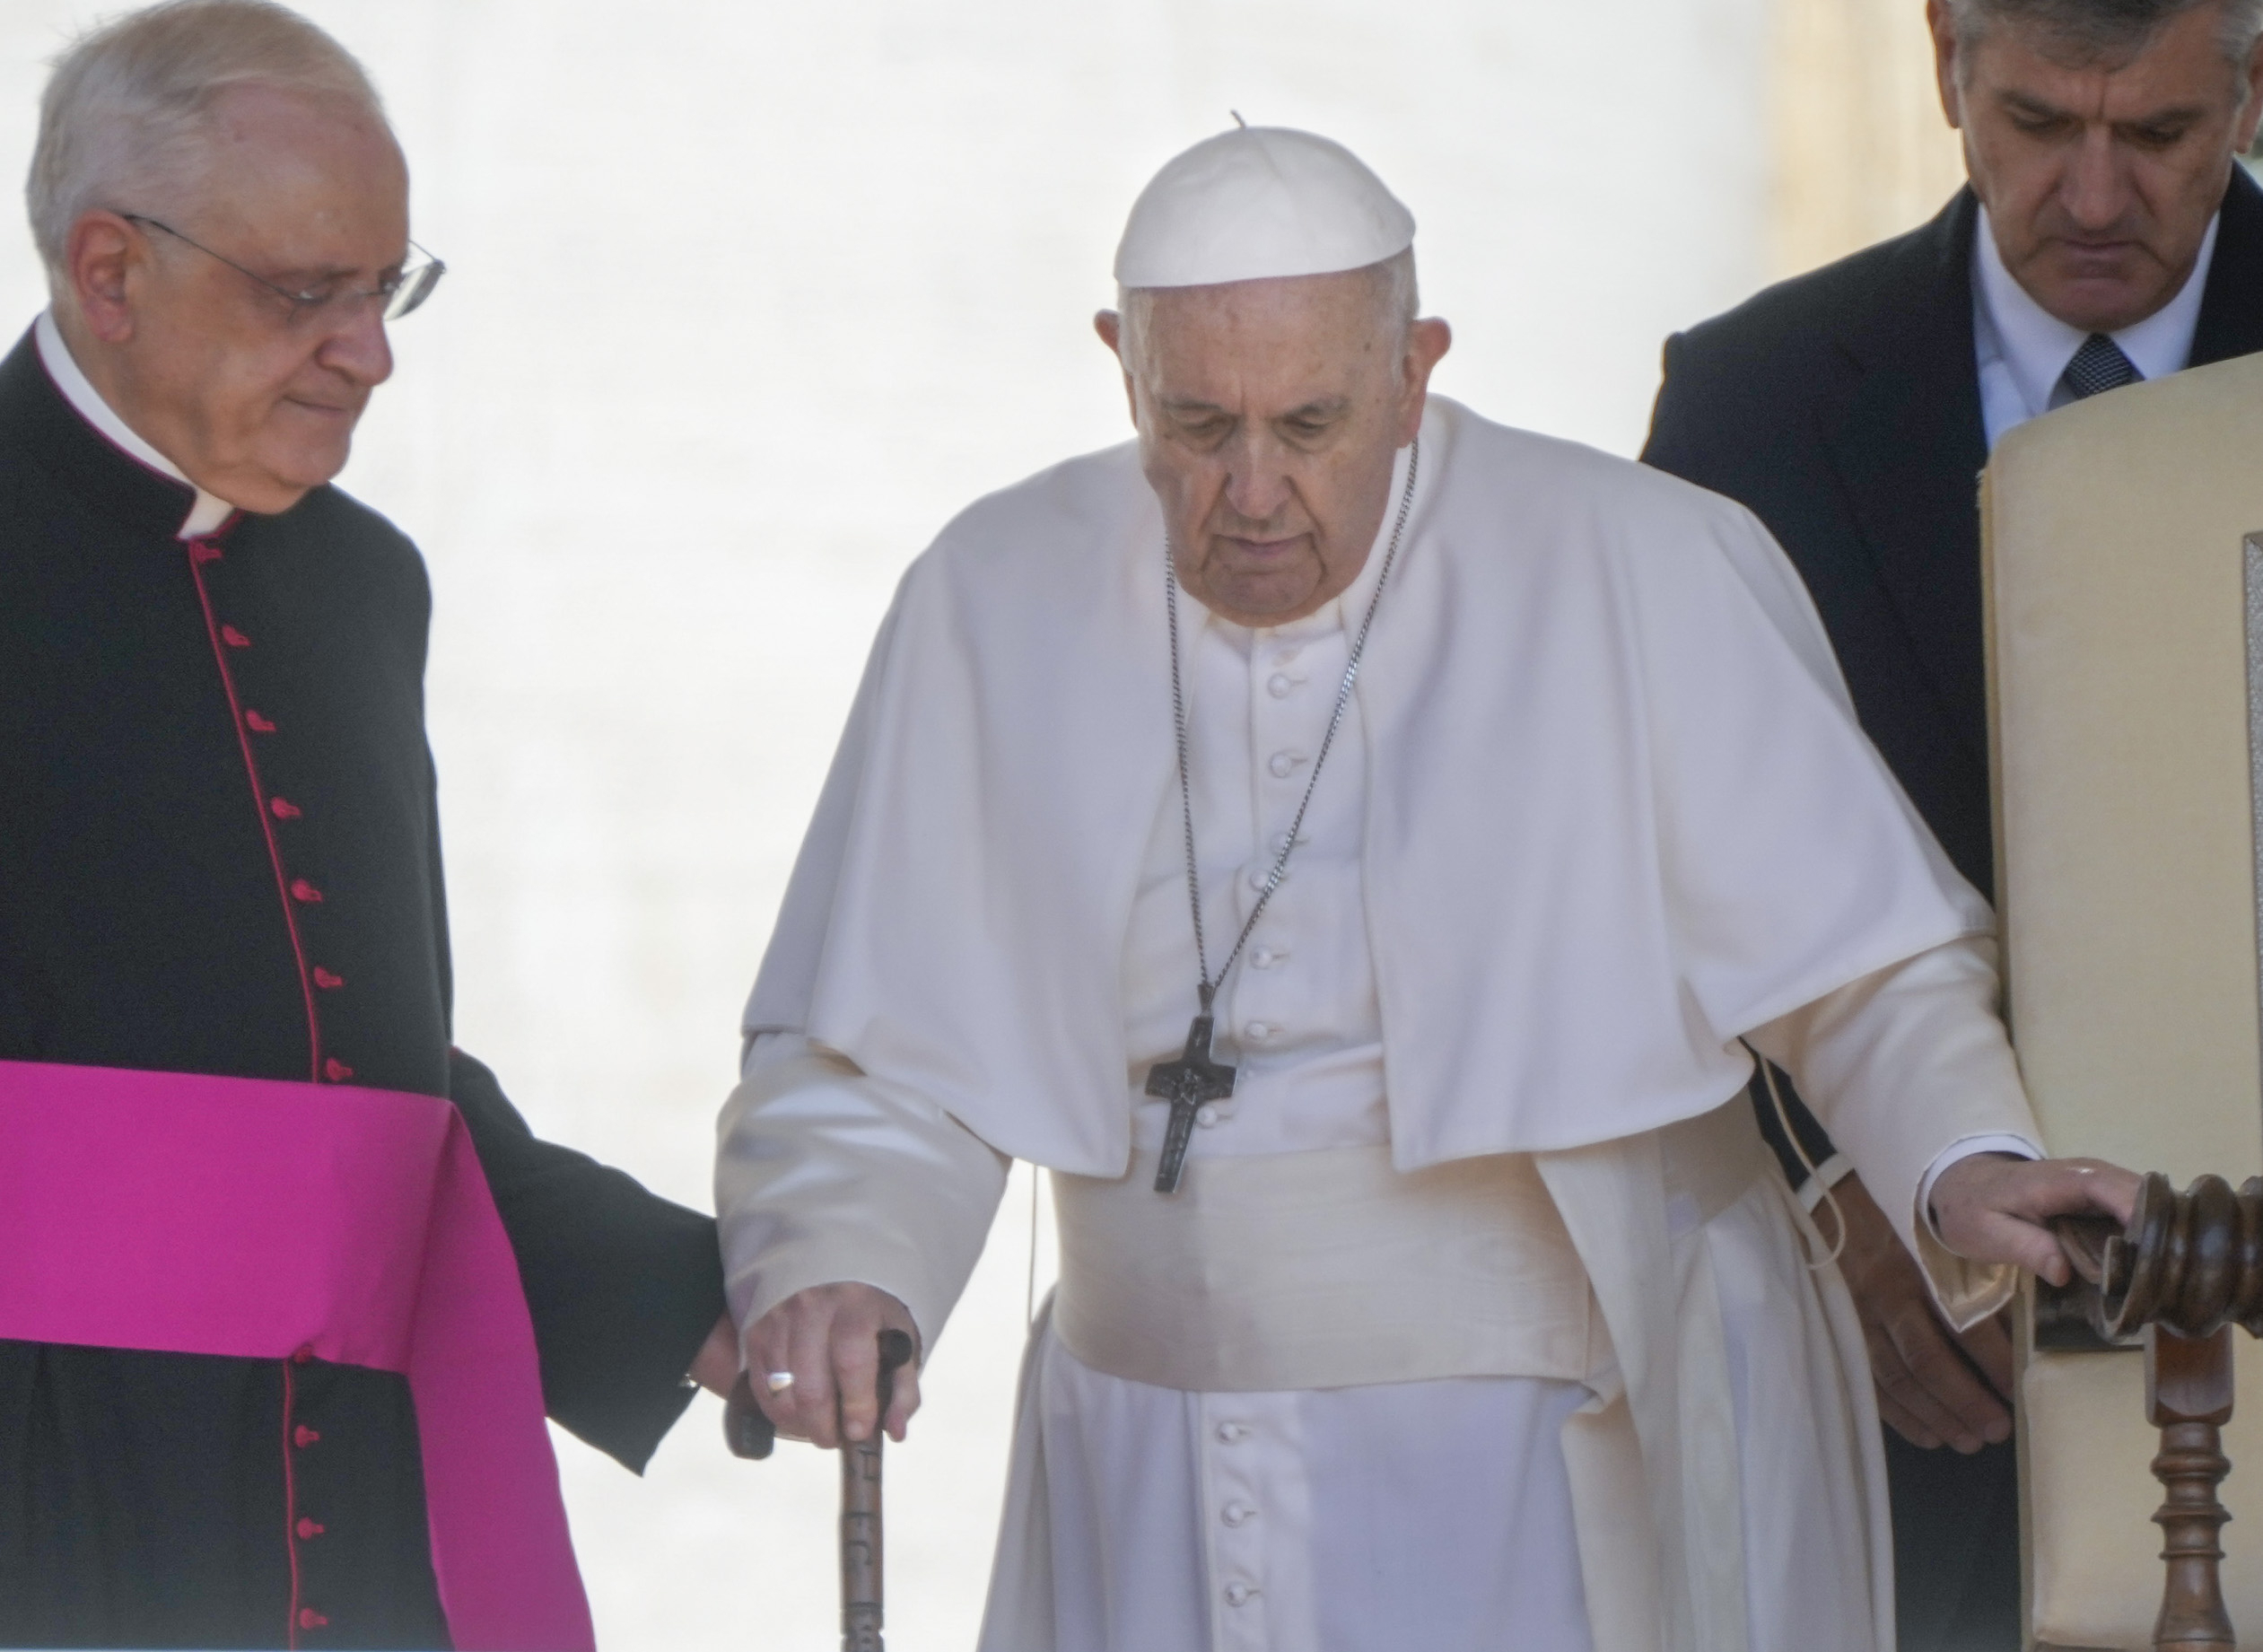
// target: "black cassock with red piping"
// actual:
[[218, 854]]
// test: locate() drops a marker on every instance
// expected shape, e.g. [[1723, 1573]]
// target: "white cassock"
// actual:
[[1483, 1317]]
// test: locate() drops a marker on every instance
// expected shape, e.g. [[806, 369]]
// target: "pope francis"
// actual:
[[1355, 848]]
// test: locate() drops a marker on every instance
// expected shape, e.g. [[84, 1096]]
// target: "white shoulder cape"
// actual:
[[1619, 811]]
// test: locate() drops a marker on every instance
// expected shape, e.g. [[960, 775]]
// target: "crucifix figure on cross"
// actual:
[[1186, 1084]]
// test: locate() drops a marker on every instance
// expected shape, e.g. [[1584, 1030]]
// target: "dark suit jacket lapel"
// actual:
[[1908, 443], [2231, 303]]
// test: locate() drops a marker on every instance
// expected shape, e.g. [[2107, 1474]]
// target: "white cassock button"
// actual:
[[1283, 763], [1287, 656], [1232, 1433], [1259, 875], [1238, 1513], [1206, 1116], [1265, 958], [1257, 1032], [1239, 1595], [1278, 685]]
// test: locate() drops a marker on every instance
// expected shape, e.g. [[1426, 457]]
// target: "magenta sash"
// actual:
[[254, 1218]]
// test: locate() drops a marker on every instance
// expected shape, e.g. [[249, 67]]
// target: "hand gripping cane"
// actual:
[[749, 1433]]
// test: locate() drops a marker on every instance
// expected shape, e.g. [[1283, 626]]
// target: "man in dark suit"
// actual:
[[2107, 235]]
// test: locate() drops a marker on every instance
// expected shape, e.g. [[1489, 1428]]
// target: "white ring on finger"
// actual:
[[779, 1382]]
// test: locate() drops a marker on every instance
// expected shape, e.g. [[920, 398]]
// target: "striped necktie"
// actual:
[[2098, 365]]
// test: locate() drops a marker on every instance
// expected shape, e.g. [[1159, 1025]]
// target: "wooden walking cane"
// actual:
[[751, 1434], [861, 1554]]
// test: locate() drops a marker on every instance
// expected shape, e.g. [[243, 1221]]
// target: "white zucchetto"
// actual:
[[1259, 203]]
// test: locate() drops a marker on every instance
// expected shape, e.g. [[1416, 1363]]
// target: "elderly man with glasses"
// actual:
[[286, 1286]]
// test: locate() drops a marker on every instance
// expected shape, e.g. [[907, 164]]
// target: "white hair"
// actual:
[[125, 120], [1398, 301]]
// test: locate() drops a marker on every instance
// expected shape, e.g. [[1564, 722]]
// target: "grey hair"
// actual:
[[2114, 29], [127, 115], [1398, 301]]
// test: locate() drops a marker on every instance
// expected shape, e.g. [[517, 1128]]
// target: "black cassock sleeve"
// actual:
[[1812, 1136], [622, 1286]]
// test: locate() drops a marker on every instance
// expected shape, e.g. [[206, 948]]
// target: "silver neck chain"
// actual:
[[1211, 984]]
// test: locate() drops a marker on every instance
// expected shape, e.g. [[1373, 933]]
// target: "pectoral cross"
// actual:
[[1186, 1084]]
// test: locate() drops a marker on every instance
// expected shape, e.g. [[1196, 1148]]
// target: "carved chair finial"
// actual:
[[2187, 1268]]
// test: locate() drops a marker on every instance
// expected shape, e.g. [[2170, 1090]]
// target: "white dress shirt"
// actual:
[[2023, 349], [206, 513]]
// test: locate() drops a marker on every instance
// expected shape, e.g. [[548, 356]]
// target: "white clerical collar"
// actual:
[[2033, 346], [206, 513]]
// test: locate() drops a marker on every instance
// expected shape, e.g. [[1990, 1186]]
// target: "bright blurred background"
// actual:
[[746, 298]]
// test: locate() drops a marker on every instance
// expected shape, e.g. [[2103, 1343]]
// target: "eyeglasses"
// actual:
[[397, 294]]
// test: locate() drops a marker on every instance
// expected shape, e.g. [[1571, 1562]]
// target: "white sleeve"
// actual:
[[1909, 1070], [1972, 1146], [824, 1175]]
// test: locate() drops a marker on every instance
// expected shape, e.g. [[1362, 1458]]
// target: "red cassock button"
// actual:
[[284, 809], [302, 890], [310, 1528], [308, 1618], [336, 1070], [259, 725], [302, 1437], [303, 1353], [202, 551], [328, 982], [234, 638]]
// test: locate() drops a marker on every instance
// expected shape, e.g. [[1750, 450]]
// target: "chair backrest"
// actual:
[[2124, 627]]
